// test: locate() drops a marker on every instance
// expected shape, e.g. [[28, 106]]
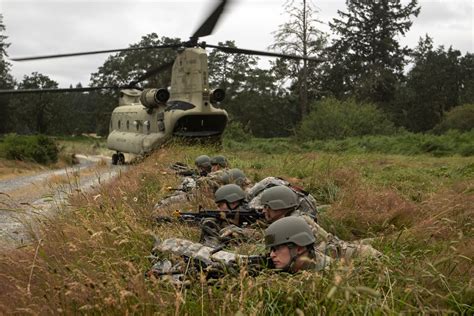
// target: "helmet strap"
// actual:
[[293, 256]]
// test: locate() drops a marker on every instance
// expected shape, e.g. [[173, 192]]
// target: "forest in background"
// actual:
[[368, 84]]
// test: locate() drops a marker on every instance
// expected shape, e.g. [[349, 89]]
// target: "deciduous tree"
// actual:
[[299, 36]]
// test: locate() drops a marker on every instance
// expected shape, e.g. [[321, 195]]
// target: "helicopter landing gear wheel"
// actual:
[[120, 159], [114, 159]]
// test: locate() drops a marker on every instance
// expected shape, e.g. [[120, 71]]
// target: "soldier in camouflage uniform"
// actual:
[[218, 163], [191, 257], [306, 202], [229, 197], [281, 201], [291, 243], [205, 185], [218, 178], [188, 184], [203, 163]]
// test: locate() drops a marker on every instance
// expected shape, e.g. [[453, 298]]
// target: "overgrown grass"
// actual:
[[418, 209], [83, 144], [449, 144]]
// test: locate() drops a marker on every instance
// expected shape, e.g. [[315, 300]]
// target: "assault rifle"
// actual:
[[183, 170], [239, 216]]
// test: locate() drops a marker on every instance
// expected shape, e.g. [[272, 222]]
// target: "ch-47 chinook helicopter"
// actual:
[[145, 118]]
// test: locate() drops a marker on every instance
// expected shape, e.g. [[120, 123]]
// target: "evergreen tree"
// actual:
[[367, 60], [433, 86], [229, 71], [467, 79], [33, 113], [6, 80]]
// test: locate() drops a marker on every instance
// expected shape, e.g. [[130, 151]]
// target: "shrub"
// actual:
[[235, 131], [460, 118], [334, 119], [31, 148]]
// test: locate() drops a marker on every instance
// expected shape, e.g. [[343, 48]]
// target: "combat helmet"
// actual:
[[237, 176], [289, 229], [229, 193], [220, 160], [279, 197], [202, 161]]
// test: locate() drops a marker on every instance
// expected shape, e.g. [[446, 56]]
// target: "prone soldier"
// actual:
[[280, 202], [228, 198], [219, 162], [189, 182], [289, 240], [306, 202], [291, 243]]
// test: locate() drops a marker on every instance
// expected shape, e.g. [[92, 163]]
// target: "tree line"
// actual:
[[362, 63]]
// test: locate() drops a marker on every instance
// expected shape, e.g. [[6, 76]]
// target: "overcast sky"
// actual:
[[37, 27]]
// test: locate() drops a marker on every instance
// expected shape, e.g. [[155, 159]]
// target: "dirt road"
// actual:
[[24, 200]]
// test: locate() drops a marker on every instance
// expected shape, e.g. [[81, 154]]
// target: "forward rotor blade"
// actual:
[[235, 50], [60, 90], [96, 52], [208, 25], [152, 72]]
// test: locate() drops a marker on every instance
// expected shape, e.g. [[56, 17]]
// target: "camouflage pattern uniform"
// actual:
[[306, 202], [216, 234], [336, 248], [210, 259], [218, 178], [184, 190], [291, 231], [180, 195]]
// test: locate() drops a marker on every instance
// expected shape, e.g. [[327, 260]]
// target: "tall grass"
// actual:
[[449, 144], [91, 259]]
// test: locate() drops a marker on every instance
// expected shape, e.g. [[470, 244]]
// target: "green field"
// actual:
[[417, 208]]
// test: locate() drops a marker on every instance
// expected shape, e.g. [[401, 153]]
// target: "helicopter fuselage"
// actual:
[[144, 120]]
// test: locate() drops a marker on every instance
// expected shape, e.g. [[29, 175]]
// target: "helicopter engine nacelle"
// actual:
[[217, 95], [152, 98]]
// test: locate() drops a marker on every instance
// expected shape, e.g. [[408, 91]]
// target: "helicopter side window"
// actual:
[[161, 124], [147, 124]]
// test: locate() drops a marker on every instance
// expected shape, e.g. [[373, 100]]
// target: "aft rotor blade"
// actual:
[[96, 52], [84, 89], [209, 24], [235, 50], [152, 72]]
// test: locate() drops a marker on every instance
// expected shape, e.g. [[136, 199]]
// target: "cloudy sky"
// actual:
[[37, 27]]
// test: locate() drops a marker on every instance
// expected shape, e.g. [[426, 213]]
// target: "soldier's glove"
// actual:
[[231, 231]]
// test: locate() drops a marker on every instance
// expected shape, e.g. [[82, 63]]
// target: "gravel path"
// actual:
[[24, 200]]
